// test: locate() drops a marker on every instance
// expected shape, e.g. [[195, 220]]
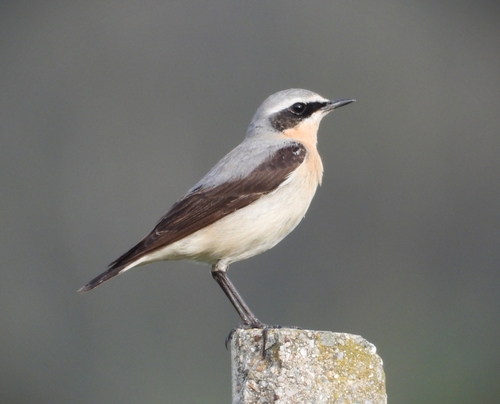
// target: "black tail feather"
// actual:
[[111, 272], [115, 268]]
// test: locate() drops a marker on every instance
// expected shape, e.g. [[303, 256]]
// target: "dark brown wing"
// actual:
[[205, 206]]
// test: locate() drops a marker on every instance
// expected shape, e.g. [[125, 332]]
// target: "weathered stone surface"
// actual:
[[302, 366]]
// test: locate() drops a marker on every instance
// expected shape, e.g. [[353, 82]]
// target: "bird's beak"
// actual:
[[331, 105]]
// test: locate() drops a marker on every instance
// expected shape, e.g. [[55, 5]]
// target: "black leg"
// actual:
[[239, 304]]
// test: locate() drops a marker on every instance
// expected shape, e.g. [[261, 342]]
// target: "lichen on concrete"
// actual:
[[303, 366]]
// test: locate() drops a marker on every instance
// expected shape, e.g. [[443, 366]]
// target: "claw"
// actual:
[[242, 327], [265, 332]]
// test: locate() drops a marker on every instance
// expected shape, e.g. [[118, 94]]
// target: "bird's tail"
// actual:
[[126, 261], [111, 272]]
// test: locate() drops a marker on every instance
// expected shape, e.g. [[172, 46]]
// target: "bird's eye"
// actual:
[[298, 108]]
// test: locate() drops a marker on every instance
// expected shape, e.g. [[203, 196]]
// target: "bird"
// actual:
[[248, 202]]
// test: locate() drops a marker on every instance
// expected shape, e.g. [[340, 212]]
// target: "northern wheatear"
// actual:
[[248, 202]]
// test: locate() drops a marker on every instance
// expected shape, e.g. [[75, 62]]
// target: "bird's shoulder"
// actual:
[[253, 156]]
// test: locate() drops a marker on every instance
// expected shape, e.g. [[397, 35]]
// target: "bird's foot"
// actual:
[[265, 331], [258, 325]]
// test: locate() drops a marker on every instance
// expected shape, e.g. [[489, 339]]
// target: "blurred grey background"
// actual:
[[110, 111]]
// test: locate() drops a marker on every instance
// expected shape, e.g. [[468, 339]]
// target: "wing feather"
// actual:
[[204, 206]]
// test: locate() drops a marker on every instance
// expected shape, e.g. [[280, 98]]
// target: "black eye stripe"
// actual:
[[293, 115]]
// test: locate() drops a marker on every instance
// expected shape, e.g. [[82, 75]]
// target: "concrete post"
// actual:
[[302, 366]]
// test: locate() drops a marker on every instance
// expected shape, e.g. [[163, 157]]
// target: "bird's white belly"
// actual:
[[250, 230]]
